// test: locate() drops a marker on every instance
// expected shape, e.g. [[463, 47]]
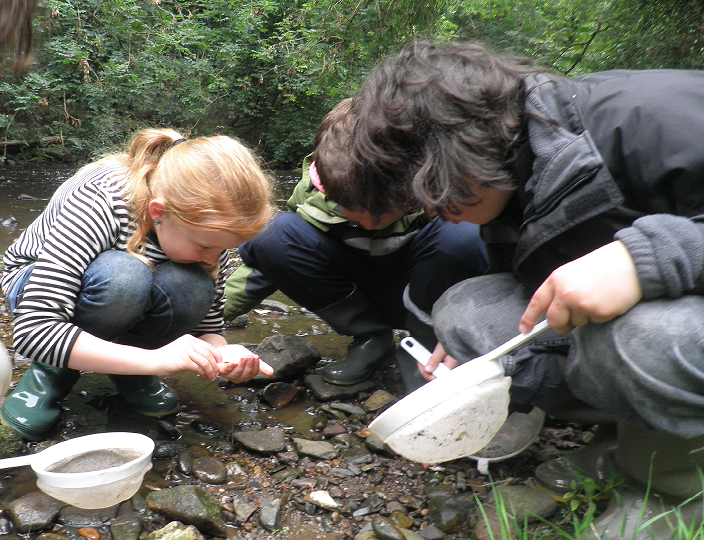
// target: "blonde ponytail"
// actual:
[[214, 183]]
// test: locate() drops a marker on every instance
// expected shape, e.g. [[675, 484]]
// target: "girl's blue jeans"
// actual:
[[122, 300]]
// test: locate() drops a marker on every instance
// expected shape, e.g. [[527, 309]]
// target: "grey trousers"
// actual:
[[645, 367]]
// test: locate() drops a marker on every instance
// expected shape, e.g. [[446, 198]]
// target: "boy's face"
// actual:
[[371, 222], [490, 203]]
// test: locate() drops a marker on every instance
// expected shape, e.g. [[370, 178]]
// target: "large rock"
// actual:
[[34, 511], [288, 355], [176, 531], [191, 505]]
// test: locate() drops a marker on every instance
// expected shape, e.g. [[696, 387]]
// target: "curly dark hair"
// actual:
[[435, 120]]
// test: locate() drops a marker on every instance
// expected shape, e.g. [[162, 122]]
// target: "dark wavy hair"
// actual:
[[435, 120]]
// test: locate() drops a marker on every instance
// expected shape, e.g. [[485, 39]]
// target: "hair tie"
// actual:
[[178, 141]]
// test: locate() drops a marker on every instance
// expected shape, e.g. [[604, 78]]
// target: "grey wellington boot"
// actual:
[[667, 490], [32, 408], [373, 340]]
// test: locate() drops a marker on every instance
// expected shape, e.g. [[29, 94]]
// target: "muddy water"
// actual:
[[94, 405]]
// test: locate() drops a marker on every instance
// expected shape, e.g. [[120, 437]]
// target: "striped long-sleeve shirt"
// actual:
[[86, 216]]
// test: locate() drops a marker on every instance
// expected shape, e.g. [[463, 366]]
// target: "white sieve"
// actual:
[[94, 471], [5, 370]]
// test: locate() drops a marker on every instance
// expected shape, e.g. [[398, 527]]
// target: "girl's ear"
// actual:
[[157, 209]]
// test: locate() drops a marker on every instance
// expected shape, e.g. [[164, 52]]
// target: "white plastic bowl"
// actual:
[[94, 488]]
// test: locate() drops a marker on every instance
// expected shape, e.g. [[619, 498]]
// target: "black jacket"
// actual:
[[619, 158]]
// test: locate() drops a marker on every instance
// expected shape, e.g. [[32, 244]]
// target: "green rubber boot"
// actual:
[[373, 341], [32, 408], [147, 394]]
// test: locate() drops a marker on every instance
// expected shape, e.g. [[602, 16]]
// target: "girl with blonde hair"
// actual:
[[124, 271]]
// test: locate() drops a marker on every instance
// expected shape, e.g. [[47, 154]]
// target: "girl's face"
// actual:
[[188, 244], [490, 203], [371, 222]]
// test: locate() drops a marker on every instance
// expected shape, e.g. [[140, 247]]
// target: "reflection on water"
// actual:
[[25, 191]]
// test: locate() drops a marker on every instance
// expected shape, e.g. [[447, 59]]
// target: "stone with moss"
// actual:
[[10, 442]]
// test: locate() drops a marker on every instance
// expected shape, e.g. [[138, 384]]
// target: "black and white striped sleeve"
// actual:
[[88, 223]]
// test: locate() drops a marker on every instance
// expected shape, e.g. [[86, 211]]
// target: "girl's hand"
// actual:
[[188, 353], [438, 356], [594, 288], [239, 364]]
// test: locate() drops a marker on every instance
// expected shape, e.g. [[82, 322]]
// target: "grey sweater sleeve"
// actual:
[[668, 252]]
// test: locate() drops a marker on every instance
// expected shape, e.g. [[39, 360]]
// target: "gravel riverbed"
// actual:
[[289, 458]]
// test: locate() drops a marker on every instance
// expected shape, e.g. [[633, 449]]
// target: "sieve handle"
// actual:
[[422, 355], [19, 461]]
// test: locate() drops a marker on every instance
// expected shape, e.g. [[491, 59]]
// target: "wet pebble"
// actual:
[[244, 506], [286, 475], [171, 431], [402, 520], [375, 444], [384, 529], [525, 502], [280, 394], [168, 449], [451, 513], [83, 518], [187, 457], [176, 531], [371, 505], [316, 449], [126, 527], [270, 515], [210, 470], [34, 511], [5, 526], [378, 401], [332, 430], [323, 500], [358, 455], [189, 504], [353, 411], [269, 440], [89, 533], [431, 532]]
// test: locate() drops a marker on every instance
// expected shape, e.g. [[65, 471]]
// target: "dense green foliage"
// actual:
[[267, 71]]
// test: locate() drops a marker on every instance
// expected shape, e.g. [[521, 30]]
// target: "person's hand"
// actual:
[[239, 364], [438, 356], [188, 353], [594, 288]]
